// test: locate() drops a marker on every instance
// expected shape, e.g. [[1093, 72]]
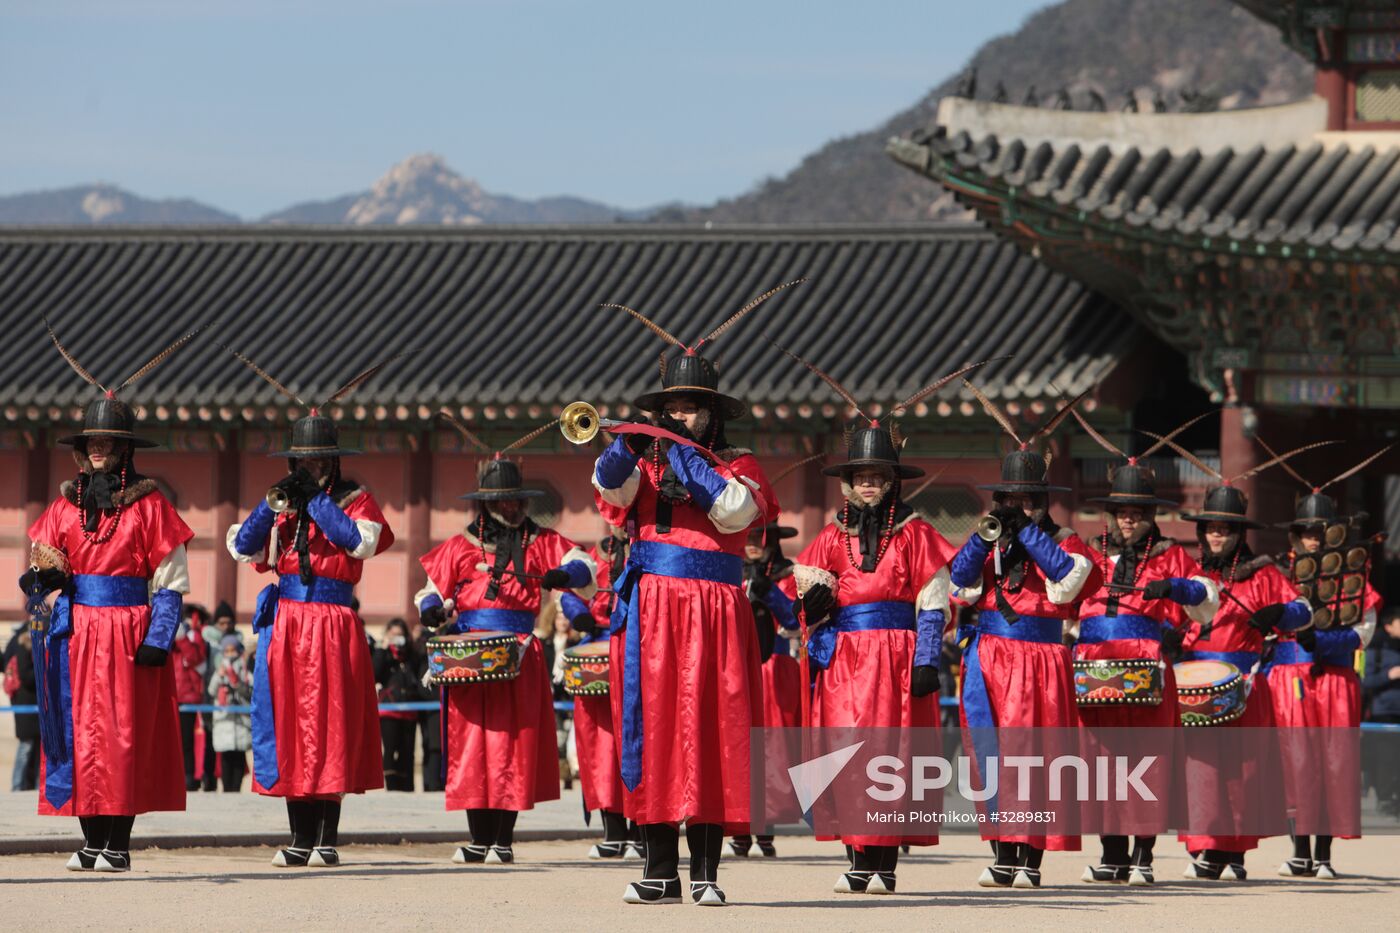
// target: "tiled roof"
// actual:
[[510, 322]]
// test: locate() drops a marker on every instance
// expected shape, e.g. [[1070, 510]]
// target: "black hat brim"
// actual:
[[73, 439], [901, 470], [1119, 500], [1227, 517], [729, 406], [309, 454], [1308, 523], [1023, 487], [781, 532], [495, 495]]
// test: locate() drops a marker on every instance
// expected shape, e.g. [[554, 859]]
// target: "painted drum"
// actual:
[[586, 670], [1210, 693], [1118, 682], [474, 657]]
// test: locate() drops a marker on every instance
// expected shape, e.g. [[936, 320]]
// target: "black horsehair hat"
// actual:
[[693, 374], [876, 445], [1225, 502], [1132, 483], [1024, 470], [314, 434], [1316, 509], [108, 416], [499, 477]]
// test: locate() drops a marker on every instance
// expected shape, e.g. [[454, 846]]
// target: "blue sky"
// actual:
[[252, 105]]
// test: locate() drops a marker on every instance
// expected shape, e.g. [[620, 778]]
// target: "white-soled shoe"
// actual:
[[324, 857], [114, 862], [1298, 868], [84, 859], [470, 855], [653, 891], [882, 882], [707, 894], [1141, 876], [1027, 878], [997, 876], [291, 857], [1325, 871]]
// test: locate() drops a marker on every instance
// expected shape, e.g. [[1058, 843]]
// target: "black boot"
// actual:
[[614, 844], [739, 846], [1002, 872], [1206, 864], [1322, 858], [706, 840], [1234, 867], [886, 859], [661, 882], [327, 835], [1141, 873], [1028, 875], [1113, 865], [481, 824], [501, 852], [302, 816], [636, 848], [96, 831], [865, 862], [765, 846], [116, 854]]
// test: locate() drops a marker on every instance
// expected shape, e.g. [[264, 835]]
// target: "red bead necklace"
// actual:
[[886, 536], [101, 536], [1137, 570]]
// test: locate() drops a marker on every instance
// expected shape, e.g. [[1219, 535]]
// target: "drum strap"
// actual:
[[663, 560], [863, 617]]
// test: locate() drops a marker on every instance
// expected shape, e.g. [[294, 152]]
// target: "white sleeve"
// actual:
[[969, 594], [1067, 590], [173, 573], [934, 595], [735, 508], [264, 558], [623, 495], [1205, 610], [369, 538]]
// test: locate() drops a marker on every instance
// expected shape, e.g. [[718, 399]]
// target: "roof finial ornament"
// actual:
[[967, 84]]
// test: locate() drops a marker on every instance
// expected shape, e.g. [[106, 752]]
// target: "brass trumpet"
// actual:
[[580, 423], [989, 528], [277, 499]]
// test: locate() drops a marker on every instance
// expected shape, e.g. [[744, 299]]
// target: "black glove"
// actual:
[[555, 579], [767, 634], [638, 443], [433, 618], [306, 486], [759, 587], [676, 428], [46, 580], [1172, 638], [924, 680], [151, 656], [817, 603], [1012, 519], [1266, 618], [584, 623], [1307, 639], [1157, 589]]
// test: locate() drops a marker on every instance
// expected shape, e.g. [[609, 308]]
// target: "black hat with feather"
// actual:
[[1315, 509], [877, 444], [109, 416], [692, 374], [314, 434], [1024, 470], [1132, 484], [1225, 502], [499, 477]]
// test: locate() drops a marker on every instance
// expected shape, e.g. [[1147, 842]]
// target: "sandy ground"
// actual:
[[553, 887]]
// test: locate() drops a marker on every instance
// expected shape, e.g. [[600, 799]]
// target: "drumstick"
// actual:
[[487, 568]]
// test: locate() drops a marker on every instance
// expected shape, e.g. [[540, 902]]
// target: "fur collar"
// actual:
[[1249, 568], [730, 454], [142, 487]]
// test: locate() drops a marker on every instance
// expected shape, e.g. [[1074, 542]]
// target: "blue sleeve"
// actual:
[[573, 606], [1048, 556], [1187, 592], [780, 605], [1296, 614], [338, 527], [579, 576], [966, 569], [615, 464], [252, 534], [166, 607], [928, 636], [1337, 646], [698, 477], [429, 601]]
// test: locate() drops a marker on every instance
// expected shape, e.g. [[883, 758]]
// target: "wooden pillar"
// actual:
[[228, 480], [418, 511], [1331, 85], [1238, 451], [37, 464], [1062, 473]]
